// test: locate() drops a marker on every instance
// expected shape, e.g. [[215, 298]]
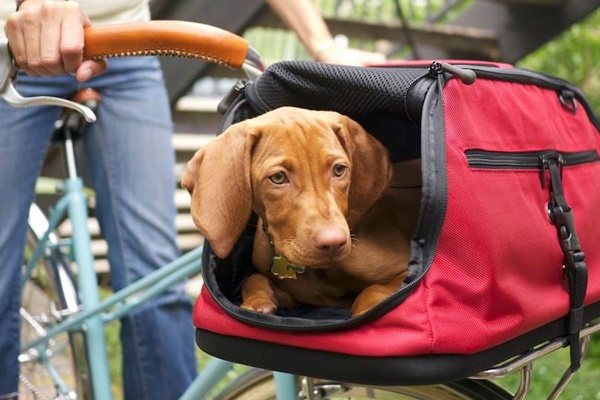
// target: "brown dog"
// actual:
[[328, 219]]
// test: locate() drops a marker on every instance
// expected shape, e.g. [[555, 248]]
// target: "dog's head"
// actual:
[[309, 175]]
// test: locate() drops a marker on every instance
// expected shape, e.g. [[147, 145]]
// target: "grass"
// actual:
[[585, 385]]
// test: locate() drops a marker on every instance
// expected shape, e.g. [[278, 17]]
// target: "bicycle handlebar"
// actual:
[[163, 38], [166, 38]]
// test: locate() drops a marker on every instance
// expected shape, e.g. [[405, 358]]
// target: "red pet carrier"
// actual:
[[510, 203]]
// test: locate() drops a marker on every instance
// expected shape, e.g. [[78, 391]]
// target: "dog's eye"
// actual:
[[339, 169], [279, 178]]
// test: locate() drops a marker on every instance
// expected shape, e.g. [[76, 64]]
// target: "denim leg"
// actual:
[[131, 160], [24, 135]]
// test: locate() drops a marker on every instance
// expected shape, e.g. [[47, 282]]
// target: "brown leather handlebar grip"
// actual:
[[166, 38]]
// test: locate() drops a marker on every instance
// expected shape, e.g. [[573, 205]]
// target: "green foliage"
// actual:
[[573, 56]]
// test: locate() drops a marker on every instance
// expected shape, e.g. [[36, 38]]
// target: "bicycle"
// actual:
[[76, 312], [62, 313]]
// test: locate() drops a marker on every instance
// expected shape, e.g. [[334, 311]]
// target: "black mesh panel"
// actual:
[[353, 91], [377, 98]]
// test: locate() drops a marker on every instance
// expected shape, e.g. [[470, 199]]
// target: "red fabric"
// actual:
[[497, 272]]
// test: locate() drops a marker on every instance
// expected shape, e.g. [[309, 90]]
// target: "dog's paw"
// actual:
[[358, 309], [373, 295], [260, 305], [366, 300]]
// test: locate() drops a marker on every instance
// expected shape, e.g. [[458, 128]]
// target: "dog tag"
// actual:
[[283, 269]]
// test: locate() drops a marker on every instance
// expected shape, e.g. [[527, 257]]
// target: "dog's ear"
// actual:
[[218, 179], [370, 167]]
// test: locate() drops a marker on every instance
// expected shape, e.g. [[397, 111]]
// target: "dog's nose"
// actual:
[[331, 240]]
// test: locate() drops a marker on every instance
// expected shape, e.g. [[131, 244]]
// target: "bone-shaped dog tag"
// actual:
[[283, 269]]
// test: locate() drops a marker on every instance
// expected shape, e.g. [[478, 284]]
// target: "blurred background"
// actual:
[[556, 36]]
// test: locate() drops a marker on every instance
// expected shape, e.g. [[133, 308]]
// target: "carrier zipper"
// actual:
[[485, 159], [411, 89]]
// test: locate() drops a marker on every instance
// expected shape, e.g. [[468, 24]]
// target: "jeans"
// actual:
[[130, 160]]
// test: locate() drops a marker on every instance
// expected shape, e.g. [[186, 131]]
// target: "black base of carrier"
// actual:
[[401, 371]]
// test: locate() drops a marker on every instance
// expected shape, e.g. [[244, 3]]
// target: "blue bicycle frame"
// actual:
[[96, 312]]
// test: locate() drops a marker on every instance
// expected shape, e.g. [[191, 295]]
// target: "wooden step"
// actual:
[[182, 199], [190, 142], [186, 144]]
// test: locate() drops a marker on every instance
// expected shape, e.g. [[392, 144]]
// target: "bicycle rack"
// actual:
[[525, 361]]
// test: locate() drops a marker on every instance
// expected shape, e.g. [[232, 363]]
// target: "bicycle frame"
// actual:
[[96, 312]]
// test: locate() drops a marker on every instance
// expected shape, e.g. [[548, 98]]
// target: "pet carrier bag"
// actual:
[[505, 254]]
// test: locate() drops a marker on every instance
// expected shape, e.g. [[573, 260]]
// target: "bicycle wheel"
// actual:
[[257, 384], [57, 368]]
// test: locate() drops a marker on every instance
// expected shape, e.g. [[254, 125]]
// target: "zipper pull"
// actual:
[[545, 161], [466, 76]]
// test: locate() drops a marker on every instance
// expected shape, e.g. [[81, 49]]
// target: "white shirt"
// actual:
[[101, 12]]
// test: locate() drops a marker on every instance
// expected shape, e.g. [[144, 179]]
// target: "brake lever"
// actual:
[[8, 75]]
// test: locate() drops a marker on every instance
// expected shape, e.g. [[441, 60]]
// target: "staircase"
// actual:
[[498, 30]]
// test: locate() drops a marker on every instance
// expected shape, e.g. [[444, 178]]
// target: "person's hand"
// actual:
[[46, 38], [349, 56]]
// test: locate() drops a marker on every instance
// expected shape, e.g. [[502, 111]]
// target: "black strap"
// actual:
[[575, 267]]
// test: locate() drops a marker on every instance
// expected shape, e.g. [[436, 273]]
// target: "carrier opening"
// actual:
[[379, 100]]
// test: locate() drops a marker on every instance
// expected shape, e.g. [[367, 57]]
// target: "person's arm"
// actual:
[[306, 21], [46, 38]]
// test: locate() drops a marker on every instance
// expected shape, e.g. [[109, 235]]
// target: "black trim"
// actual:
[[409, 370], [434, 199]]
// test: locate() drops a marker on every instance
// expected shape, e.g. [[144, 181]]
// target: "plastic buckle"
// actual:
[[231, 96], [577, 277]]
